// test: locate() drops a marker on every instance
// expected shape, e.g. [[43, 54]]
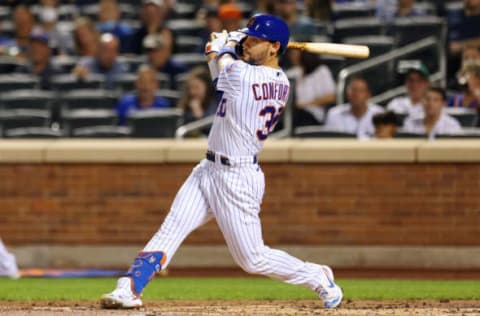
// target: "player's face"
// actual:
[[434, 104], [417, 85], [257, 51]]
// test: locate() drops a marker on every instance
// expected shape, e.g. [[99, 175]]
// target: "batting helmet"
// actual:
[[268, 27]]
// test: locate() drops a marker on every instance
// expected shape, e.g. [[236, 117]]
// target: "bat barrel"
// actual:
[[344, 50]]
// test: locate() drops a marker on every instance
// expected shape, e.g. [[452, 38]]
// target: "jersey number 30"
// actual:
[[271, 115]]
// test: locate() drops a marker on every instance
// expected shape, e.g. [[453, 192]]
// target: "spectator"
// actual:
[[469, 53], [435, 121], [266, 6], [109, 22], [86, 37], [159, 55], [230, 16], [311, 98], [145, 97], [23, 23], [301, 27], [106, 62], [416, 82], [209, 17], [356, 116], [386, 125], [470, 73], [462, 30], [388, 10], [198, 98], [318, 10], [39, 55], [8, 264], [61, 42], [153, 17]]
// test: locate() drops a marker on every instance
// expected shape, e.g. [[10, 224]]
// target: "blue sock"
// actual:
[[144, 267]]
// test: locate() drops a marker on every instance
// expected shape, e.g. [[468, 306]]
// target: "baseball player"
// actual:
[[228, 184]]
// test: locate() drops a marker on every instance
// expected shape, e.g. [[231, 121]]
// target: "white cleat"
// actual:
[[331, 294], [122, 297]]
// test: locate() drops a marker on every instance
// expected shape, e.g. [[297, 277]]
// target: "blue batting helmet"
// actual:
[[268, 27]]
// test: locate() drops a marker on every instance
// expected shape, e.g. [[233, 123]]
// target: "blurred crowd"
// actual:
[[143, 51]]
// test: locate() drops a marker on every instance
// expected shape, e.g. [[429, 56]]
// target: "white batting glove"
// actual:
[[236, 36], [217, 41]]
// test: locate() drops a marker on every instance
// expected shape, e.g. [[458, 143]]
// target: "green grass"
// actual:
[[235, 288]]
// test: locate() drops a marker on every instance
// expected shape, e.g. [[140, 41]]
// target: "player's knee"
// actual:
[[254, 265]]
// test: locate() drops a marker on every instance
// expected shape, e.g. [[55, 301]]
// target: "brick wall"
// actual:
[[310, 204]]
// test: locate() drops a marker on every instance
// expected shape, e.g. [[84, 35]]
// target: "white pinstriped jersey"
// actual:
[[252, 99]]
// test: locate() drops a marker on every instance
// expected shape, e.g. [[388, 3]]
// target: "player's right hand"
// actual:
[[217, 41], [236, 36]]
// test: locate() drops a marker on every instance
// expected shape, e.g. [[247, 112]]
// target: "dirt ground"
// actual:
[[257, 308]]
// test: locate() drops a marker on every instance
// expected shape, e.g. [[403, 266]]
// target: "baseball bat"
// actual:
[[344, 50]]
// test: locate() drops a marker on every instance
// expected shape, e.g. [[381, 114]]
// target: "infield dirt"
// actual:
[[257, 308]]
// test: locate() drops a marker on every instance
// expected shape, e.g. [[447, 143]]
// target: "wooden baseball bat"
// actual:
[[344, 50]]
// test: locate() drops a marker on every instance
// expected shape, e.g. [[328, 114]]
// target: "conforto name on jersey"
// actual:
[[270, 91]]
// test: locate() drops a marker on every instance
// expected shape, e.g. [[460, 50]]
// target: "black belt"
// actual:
[[210, 155]]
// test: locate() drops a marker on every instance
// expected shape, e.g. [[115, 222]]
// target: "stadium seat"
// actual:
[[16, 81], [28, 99], [466, 117], [101, 132], [5, 13], [403, 134], [186, 44], [32, 132], [7, 28], [133, 61], [24, 118], [466, 133], [73, 119], [69, 82], [154, 123], [64, 62], [357, 27], [411, 29], [190, 59], [320, 131], [184, 27], [126, 82], [378, 44], [88, 99], [184, 10], [172, 95], [351, 10]]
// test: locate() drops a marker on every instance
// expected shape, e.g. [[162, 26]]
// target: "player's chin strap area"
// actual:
[[144, 267]]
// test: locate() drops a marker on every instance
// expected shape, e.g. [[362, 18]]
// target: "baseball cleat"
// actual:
[[122, 297], [331, 294]]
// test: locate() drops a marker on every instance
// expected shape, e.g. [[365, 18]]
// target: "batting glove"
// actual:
[[236, 36], [216, 43]]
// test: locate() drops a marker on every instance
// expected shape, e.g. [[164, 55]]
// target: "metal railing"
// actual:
[[427, 42], [183, 130]]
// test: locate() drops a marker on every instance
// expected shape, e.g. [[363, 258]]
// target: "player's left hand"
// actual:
[[236, 36]]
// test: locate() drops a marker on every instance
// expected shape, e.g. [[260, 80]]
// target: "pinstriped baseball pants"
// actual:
[[231, 195]]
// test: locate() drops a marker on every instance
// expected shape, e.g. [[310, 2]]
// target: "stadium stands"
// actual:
[[76, 104]]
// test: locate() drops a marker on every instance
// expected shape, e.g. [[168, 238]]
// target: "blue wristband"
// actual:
[[228, 50]]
